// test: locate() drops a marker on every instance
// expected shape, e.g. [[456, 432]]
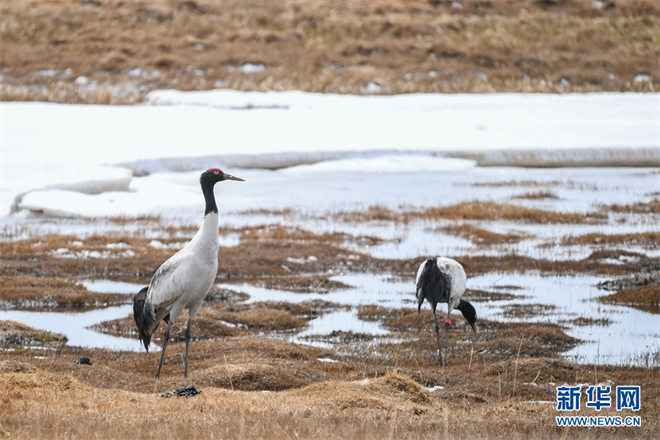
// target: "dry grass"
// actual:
[[398, 46], [302, 284], [16, 333], [645, 297], [536, 195], [483, 237], [515, 183], [652, 207], [649, 240], [51, 397], [475, 210], [32, 292]]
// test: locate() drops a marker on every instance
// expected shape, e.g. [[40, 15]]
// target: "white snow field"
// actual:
[[83, 160]]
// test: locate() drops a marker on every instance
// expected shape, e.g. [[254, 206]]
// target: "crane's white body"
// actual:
[[184, 280], [457, 280]]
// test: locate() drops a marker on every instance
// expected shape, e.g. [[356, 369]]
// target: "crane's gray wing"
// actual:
[[168, 283]]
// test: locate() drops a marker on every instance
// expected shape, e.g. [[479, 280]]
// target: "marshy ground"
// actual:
[[257, 383]]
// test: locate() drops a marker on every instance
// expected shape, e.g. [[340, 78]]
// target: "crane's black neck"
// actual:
[[209, 197]]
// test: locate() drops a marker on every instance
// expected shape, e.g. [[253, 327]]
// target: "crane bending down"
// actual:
[[182, 281], [443, 280]]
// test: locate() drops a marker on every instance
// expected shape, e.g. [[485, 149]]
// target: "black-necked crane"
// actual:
[[443, 280], [184, 279]]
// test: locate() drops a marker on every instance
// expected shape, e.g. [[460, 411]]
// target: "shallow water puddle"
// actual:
[[626, 337], [107, 286], [630, 338], [76, 326]]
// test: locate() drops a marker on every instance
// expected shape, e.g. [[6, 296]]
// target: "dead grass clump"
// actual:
[[540, 370], [251, 377], [373, 312], [19, 384], [12, 366], [395, 384], [478, 295], [652, 207], [515, 183], [491, 211], [481, 236], [373, 213], [281, 233], [221, 295], [527, 310], [648, 239], [31, 292], [262, 318], [536, 195], [300, 284], [585, 321], [16, 333], [645, 297], [476, 210]]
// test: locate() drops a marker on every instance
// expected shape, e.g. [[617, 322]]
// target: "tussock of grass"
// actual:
[[491, 211], [253, 377], [16, 333], [649, 240], [262, 318], [645, 297], [652, 207], [299, 284], [477, 210], [536, 195], [32, 292], [515, 183], [480, 236]]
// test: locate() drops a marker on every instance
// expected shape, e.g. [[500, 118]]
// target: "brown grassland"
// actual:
[[125, 48], [256, 384]]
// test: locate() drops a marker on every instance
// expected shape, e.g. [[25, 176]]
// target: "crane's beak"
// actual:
[[230, 177]]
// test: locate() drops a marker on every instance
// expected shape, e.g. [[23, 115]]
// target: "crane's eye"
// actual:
[[215, 172]]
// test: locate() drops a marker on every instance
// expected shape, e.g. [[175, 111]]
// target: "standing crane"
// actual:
[[443, 280], [184, 279]]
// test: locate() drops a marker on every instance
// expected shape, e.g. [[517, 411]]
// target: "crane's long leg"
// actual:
[[166, 338], [446, 342], [188, 336], [437, 336]]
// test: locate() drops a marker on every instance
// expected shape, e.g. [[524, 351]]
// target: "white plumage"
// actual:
[[184, 280]]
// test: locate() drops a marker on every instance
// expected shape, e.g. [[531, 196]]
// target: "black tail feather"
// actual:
[[142, 319], [433, 284]]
